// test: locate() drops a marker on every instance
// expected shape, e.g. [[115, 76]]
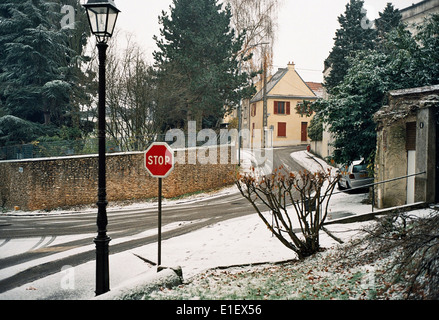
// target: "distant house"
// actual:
[[280, 121], [317, 88]]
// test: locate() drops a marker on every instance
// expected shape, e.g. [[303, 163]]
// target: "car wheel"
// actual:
[[340, 187]]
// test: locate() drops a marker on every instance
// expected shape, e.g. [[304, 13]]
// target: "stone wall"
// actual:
[[46, 184]]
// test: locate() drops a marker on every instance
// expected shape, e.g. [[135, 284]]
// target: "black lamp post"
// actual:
[[102, 16]]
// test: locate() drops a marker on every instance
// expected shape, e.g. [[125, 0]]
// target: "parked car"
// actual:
[[354, 175]]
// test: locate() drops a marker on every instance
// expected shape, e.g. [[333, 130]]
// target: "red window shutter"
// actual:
[[288, 108], [282, 129], [275, 107]]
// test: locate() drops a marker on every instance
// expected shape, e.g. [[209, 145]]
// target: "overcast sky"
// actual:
[[305, 33]]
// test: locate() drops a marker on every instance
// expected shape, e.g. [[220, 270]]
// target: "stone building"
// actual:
[[407, 145], [416, 14]]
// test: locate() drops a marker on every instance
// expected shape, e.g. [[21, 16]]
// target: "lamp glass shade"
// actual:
[[102, 17]]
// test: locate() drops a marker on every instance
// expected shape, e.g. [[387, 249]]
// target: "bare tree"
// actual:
[[307, 194], [130, 91], [258, 19]]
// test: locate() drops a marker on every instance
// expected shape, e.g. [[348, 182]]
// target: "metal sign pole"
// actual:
[[159, 258], [159, 162]]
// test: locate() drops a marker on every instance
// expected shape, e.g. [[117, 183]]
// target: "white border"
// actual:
[[169, 149]]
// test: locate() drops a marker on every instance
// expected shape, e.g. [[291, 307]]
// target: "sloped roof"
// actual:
[[408, 101], [317, 88], [271, 84], [274, 81]]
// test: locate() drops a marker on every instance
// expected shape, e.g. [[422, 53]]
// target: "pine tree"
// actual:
[[32, 58], [197, 63], [389, 19], [428, 37], [394, 64], [41, 81], [81, 80], [355, 34]]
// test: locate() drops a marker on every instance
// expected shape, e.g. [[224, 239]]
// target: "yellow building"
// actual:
[[283, 125]]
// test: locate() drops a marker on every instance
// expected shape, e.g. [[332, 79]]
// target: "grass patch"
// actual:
[[311, 279]]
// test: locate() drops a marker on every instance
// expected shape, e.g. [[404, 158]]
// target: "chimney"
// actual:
[[291, 66]]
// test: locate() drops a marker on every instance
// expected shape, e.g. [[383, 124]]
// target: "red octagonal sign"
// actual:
[[159, 160]]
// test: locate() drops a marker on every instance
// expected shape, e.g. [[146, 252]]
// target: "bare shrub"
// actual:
[[305, 193]]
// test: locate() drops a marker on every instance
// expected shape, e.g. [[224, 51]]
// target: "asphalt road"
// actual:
[[44, 234]]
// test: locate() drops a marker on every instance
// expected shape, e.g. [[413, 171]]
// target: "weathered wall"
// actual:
[[46, 184], [416, 14], [419, 105], [391, 162]]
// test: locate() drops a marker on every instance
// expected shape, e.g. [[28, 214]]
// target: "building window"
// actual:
[[253, 110], [282, 129], [282, 107]]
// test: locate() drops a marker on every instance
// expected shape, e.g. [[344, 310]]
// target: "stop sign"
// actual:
[[159, 160]]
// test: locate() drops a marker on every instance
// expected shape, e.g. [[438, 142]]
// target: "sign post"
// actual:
[[159, 252], [159, 162]]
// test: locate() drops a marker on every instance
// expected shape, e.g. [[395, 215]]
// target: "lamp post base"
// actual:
[[102, 264]]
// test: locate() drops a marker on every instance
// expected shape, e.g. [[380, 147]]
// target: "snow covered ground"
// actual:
[[242, 240]]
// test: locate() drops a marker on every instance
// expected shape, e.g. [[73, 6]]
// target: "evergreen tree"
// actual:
[[197, 64], [398, 63], [14, 130], [355, 34], [37, 64], [32, 58], [389, 19], [428, 37], [82, 80]]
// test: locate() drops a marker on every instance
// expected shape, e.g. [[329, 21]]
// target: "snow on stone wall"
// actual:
[[47, 184]]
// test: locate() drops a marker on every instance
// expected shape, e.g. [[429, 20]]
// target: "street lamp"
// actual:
[[102, 16]]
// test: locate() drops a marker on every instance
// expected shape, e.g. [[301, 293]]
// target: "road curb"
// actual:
[[144, 284], [372, 215]]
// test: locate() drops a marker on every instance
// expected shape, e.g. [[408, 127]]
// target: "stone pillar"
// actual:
[[426, 154]]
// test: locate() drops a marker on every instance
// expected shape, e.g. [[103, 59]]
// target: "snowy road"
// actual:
[[39, 244], [61, 266], [33, 247]]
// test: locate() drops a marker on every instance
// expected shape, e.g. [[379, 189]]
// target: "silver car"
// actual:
[[354, 175]]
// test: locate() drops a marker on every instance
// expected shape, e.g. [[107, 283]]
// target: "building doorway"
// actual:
[[304, 131]]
